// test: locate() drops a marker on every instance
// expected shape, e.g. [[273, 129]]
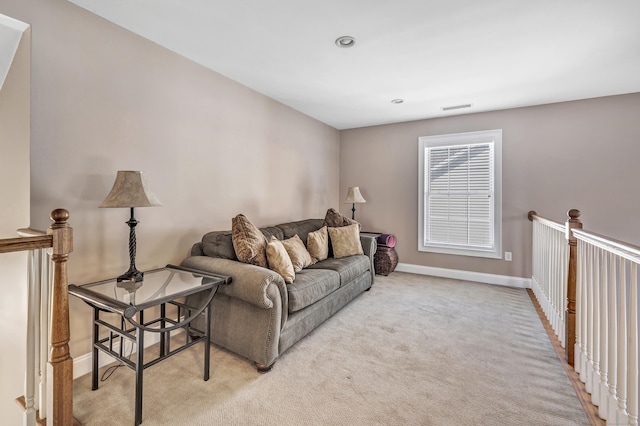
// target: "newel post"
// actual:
[[60, 366], [572, 223]]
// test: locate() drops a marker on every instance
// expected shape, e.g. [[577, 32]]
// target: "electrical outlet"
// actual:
[[507, 256]]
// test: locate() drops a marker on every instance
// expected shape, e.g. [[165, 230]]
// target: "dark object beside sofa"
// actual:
[[259, 316], [385, 260]]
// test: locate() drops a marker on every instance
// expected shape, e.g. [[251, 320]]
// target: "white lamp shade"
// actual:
[[354, 196], [130, 190]]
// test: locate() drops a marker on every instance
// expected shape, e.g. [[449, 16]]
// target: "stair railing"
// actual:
[[599, 295], [606, 346], [47, 322]]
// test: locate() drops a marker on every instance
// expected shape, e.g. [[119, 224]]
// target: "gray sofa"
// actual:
[[258, 316]]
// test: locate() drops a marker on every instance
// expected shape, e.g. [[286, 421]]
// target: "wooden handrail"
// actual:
[[550, 223], [9, 245]]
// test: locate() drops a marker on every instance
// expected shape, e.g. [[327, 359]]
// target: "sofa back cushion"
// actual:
[[272, 231], [300, 228], [218, 244]]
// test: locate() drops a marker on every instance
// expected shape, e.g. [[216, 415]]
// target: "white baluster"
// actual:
[[634, 392], [30, 411], [577, 348], [589, 374], [37, 302], [604, 336], [616, 300], [595, 391], [622, 348], [45, 314], [559, 302]]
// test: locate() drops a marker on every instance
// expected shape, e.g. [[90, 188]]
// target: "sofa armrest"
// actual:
[[369, 246], [250, 283]]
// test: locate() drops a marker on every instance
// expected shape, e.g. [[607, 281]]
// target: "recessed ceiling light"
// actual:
[[397, 101], [345, 41]]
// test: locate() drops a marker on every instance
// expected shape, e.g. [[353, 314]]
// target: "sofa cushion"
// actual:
[[347, 267], [333, 219], [218, 244], [279, 260], [248, 242], [345, 241], [318, 244], [310, 286], [300, 228], [272, 231], [300, 257]]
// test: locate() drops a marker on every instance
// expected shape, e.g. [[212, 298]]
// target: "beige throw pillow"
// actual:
[[318, 244], [279, 260], [345, 241], [249, 242], [300, 257]]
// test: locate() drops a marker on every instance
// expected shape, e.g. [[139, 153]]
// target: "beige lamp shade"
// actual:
[[354, 196], [130, 190]]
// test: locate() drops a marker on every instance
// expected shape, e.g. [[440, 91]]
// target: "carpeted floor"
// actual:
[[414, 350]]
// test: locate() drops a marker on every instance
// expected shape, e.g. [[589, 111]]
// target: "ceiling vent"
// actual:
[[449, 108]]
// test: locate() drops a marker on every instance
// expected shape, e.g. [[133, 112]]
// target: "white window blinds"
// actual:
[[460, 202], [459, 192]]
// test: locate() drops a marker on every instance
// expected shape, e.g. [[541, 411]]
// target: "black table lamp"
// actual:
[[130, 190]]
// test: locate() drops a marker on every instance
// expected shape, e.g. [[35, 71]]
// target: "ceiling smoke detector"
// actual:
[[345, 41]]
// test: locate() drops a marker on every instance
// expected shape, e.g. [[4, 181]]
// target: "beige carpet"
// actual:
[[414, 350]]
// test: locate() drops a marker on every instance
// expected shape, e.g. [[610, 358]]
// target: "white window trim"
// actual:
[[485, 136]]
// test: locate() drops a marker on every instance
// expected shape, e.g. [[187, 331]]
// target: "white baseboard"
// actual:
[[83, 363], [458, 274]]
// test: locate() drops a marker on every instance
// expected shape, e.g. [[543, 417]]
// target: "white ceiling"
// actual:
[[493, 54]]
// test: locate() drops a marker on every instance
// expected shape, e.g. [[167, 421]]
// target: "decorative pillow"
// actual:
[[318, 244], [279, 260], [333, 219], [345, 241], [300, 257], [248, 242]]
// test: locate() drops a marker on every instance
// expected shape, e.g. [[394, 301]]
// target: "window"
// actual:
[[460, 203]]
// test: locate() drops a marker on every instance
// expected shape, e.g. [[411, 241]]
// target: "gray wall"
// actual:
[[580, 154], [104, 99]]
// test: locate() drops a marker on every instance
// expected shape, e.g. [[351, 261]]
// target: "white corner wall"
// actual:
[[15, 46]]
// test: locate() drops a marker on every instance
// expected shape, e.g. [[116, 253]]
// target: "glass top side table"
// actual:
[[129, 300]]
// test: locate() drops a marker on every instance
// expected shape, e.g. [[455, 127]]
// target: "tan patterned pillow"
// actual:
[[318, 244], [333, 219], [345, 241], [300, 257], [249, 242], [279, 260]]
